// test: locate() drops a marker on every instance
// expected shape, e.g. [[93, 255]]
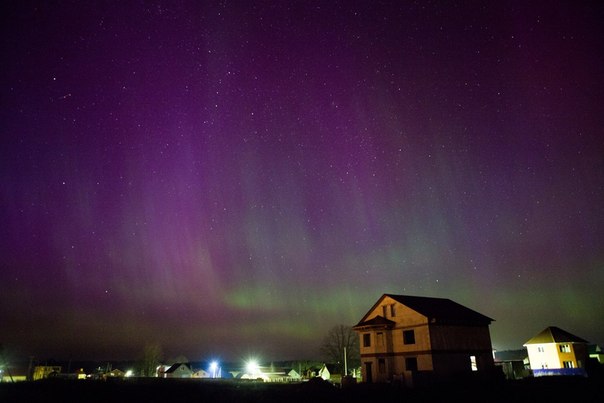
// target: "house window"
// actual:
[[409, 336], [411, 363], [380, 339], [367, 340], [568, 364], [392, 311], [381, 365], [473, 364], [564, 348], [540, 349], [384, 310]]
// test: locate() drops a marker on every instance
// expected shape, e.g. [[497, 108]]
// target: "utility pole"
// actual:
[[30, 369], [345, 363]]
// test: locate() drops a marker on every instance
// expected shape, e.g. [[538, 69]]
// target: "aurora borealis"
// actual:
[[235, 177]]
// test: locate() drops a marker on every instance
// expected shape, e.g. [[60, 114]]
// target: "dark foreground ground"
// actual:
[[552, 389]]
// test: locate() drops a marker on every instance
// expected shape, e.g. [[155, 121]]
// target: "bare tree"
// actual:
[[338, 338], [4, 364], [152, 354]]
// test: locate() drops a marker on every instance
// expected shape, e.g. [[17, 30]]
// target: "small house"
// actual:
[[179, 370], [324, 373], [513, 363], [201, 373], [45, 371], [556, 352], [596, 353]]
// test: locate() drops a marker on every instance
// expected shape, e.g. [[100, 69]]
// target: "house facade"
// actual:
[[179, 370], [513, 363], [595, 352], [404, 336], [45, 371], [556, 352]]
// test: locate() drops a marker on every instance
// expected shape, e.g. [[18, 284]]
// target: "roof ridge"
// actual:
[[553, 334]]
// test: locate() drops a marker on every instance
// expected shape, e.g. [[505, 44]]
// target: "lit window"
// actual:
[[473, 364], [366, 340], [568, 364], [564, 348], [408, 336]]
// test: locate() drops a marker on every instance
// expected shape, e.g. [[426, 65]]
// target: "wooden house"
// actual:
[[403, 336]]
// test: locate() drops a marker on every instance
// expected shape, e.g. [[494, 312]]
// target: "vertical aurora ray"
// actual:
[[246, 174]]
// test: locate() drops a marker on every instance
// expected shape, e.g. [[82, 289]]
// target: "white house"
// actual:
[[324, 373], [179, 370], [556, 352]]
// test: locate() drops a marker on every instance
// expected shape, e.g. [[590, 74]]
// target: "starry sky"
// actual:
[[229, 178]]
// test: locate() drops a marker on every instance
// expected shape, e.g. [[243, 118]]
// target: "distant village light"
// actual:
[[214, 372], [252, 368]]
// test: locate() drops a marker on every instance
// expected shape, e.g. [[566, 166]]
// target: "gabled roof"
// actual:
[[437, 310], [554, 334], [510, 355], [378, 321], [174, 367]]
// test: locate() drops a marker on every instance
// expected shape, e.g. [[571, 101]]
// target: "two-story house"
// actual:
[[403, 335], [556, 352]]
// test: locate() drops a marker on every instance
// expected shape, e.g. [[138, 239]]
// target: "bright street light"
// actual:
[[252, 368], [214, 370]]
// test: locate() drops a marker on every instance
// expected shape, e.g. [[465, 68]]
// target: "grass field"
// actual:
[[552, 389]]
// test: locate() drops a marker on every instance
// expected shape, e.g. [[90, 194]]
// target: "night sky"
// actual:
[[233, 178]]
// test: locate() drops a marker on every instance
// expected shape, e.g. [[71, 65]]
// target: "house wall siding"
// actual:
[[467, 338], [552, 358], [443, 348], [546, 359]]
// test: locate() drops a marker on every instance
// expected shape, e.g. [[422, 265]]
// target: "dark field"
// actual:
[[553, 389]]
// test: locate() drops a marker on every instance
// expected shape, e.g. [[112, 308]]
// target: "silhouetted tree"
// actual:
[[152, 354], [332, 349], [4, 365]]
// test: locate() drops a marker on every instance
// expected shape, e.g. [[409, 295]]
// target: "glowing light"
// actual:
[[128, 373], [252, 368], [253, 371], [214, 370]]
